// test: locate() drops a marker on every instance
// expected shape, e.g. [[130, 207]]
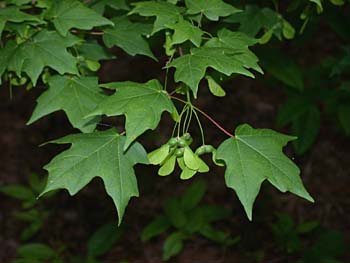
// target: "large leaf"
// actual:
[[128, 36], [67, 14], [14, 14], [142, 104], [77, 96], [165, 13], [98, 154], [212, 9], [227, 53], [45, 49], [255, 155]]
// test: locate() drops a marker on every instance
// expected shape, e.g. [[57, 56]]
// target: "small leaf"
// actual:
[[173, 245], [35, 251], [158, 226], [94, 51], [255, 155], [284, 69], [256, 21], [184, 31], [18, 191], [67, 14], [215, 88], [193, 195], [103, 239], [344, 117], [175, 213], [306, 128]]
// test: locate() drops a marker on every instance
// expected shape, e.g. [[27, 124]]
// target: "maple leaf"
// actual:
[[254, 19], [255, 155], [184, 31], [45, 49], [98, 154], [77, 96], [142, 104], [92, 50], [67, 14], [191, 68], [14, 14], [212, 9], [100, 5], [128, 36], [165, 13]]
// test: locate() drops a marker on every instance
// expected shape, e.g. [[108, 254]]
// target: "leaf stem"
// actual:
[[205, 115]]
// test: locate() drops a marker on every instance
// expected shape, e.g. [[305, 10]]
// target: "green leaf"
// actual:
[[45, 49], [184, 31], [213, 213], [67, 14], [37, 183], [35, 251], [231, 53], [100, 5], [18, 191], [344, 117], [158, 226], [128, 36], [193, 195], [142, 104], [318, 3], [283, 69], [191, 68], [217, 236], [306, 128], [255, 155], [175, 213], [77, 96], [14, 14], [254, 20], [165, 13], [212, 9], [215, 88], [103, 239], [172, 245], [98, 154], [94, 51], [304, 116]]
